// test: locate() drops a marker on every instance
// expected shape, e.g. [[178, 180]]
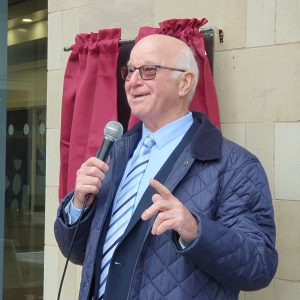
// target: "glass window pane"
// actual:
[[25, 150]]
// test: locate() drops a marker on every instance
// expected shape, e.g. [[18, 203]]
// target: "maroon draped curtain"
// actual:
[[89, 100], [187, 30]]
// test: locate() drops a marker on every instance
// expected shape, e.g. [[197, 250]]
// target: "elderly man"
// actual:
[[203, 228]]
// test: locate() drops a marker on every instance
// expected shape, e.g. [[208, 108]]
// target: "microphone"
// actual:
[[112, 133]]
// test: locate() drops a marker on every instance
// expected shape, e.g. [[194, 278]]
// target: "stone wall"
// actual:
[[257, 76]]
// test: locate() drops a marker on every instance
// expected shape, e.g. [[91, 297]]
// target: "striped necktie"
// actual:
[[123, 209]]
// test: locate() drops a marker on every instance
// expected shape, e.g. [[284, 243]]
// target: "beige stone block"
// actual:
[[258, 84], [263, 294], [129, 15], [286, 290], [58, 5], [229, 15], [242, 296], [54, 98], [51, 205], [260, 22], [68, 290], [78, 278], [287, 21], [51, 272], [287, 161], [287, 217], [53, 158], [90, 2], [54, 40], [70, 21], [235, 132], [260, 141]]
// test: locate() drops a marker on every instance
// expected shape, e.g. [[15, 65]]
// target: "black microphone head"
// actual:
[[113, 131]]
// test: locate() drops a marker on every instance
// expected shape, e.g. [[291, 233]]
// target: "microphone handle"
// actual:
[[104, 150], [102, 154]]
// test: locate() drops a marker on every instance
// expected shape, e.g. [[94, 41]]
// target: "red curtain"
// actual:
[[187, 30], [89, 100]]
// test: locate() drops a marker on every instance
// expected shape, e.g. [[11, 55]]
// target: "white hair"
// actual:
[[185, 60]]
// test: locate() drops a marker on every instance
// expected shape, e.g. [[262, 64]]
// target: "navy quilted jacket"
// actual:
[[226, 189]]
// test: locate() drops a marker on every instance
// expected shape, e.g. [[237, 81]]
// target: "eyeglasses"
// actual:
[[147, 72]]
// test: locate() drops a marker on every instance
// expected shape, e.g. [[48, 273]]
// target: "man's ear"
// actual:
[[185, 84]]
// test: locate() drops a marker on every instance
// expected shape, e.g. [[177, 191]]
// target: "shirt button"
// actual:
[[186, 162]]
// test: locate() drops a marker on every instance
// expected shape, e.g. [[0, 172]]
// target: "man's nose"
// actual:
[[135, 77]]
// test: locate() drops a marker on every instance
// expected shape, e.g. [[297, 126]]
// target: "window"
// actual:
[[24, 209]]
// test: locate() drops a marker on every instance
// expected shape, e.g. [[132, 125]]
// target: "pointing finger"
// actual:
[[161, 189]]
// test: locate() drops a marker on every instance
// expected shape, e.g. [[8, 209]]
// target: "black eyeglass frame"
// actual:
[[125, 72]]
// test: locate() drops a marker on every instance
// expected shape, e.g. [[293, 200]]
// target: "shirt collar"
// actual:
[[171, 131]]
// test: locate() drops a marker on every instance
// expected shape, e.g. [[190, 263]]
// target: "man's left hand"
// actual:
[[171, 214]]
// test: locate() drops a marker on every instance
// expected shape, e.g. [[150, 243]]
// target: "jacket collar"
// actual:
[[205, 144]]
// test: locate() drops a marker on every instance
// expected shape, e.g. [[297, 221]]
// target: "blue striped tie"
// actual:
[[123, 209]]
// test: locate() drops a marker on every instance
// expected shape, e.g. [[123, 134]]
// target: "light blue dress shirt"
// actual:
[[167, 139]]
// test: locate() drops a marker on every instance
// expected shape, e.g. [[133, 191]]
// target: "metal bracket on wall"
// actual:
[[221, 35], [213, 30]]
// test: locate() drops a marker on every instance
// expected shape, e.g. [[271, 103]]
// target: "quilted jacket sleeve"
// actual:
[[237, 248], [64, 233]]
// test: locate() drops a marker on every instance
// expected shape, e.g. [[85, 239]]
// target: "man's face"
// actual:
[[156, 102]]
